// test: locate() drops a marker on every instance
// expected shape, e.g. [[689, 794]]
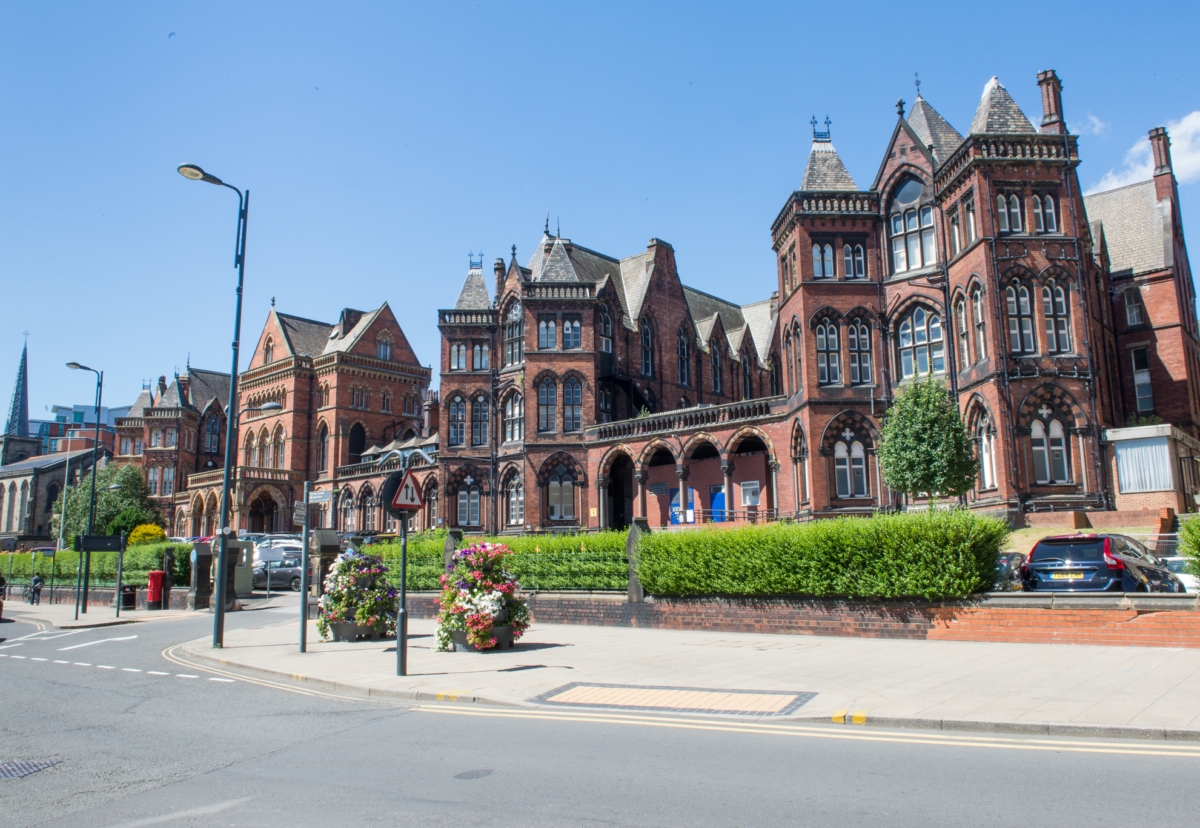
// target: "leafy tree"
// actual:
[[131, 518], [133, 492], [925, 446]]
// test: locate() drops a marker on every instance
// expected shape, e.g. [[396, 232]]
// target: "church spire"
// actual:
[[18, 413]]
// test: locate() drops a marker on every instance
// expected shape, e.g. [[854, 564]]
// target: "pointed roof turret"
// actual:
[[933, 129], [474, 293], [825, 170], [18, 412], [998, 113]]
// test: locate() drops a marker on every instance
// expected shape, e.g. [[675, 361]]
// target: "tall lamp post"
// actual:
[[87, 555], [193, 172]]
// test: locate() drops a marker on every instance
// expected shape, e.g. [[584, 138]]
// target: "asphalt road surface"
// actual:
[[141, 740]]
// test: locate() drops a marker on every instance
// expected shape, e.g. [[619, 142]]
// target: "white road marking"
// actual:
[[81, 664], [204, 810], [105, 667], [101, 641], [217, 679], [59, 661], [130, 670], [3, 655], [18, 656], [39, 659], [157, 673], [6, 646], [181, 675]]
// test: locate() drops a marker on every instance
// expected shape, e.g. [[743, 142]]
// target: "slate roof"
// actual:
[[44, 461], [171, 398], [933, 130], [704, 306], [306, 336], [998, 113], [347, 341], [1135, 228], [474, 294], [143, 402], [205, 386], [761, 322], [825, 170]]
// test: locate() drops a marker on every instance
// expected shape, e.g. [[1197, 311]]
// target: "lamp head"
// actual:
[[195, 173], [75, 366], [270, 406], [116, 487]]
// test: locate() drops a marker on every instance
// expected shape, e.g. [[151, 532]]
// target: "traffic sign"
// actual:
[[401, 493]]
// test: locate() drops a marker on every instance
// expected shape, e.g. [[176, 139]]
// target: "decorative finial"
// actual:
[[917, 81], [557, 227], [514, 252], [900, 106], [819, 136], [26, 335], [272, 301], [547, 222]]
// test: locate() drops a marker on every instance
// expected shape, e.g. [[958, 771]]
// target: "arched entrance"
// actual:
[[619, 508], [262, 514]]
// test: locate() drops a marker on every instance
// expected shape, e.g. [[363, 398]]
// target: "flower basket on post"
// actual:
[[482, 606], [357, 600]]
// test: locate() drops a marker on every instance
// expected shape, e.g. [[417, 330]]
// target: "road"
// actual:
[[143, 741]]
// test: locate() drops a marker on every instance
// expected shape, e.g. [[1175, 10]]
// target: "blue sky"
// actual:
[[382, 142]]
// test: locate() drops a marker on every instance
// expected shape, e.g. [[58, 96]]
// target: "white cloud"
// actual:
[[1139, 160], [1092, 126]]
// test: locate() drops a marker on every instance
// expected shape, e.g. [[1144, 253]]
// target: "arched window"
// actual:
[[1049, 452], [828, 356], [212, 434], [647, 349], [348, 511], [547, 333], [912, 239], [850, 469], [322, 447], [921, 347], [366, 502], [854, 262], [357, 442], [787, 355], [479, 422], [479, 357], [774, 377], [685, 358], [964, 337], [980, 333], [515, 496], [269, 351], [514, 418], [514, 335], [985, 449], [1044, 218], [1008, 213], [277, 450], [547, 406], [560, 495], [458, 421], [468, 506], [169, 438], [1020, 320], [249, 450], [572, 336], [823, 261], [264, 450], [604, 324], [385, 402], [1055, 308], [383, 348], [458, 357], [746, 390], [572, 405], [717, 384], [858, 337], [152, 480]]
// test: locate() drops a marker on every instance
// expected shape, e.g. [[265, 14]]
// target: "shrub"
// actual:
[[146, 533], [138, 561], [943, 554], [1189, 544]]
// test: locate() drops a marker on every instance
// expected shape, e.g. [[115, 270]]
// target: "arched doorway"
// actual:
[[262, 514], [619, 508]]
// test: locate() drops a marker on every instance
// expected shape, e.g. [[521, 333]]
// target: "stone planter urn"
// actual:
[[348, 631], [503, 636]]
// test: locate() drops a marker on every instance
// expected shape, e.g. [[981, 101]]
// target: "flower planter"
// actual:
[[348, 631], [503, 636]]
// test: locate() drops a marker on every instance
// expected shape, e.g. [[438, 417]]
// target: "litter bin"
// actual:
[[154, 595], [128, 597]]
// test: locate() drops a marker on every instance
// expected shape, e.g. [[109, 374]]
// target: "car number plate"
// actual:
[[1067, 576]]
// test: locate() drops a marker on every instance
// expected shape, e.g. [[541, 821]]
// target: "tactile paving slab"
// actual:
[[675, 699], [18, 770]]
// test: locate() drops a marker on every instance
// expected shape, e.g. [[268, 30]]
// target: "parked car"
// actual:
[[1095, 563], [1008, 572], [278, 552], [285, 574], [1179, 567]]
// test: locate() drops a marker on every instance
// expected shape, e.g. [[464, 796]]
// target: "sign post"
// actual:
[[308, 498], [401, 496]]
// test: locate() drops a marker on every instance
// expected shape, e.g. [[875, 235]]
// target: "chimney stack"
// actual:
[[498, 267], [1160, 142], [431, 415], [162, 386], [1052, 114]]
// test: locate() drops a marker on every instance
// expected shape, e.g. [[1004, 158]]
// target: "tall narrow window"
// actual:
[[977, 316], [572, 335], [514, 335], [964, 337], [383, 349], [458, 421], [848, 261], [774, 377], [1051, 217], [516, 502], [269, 351], [1135, 311], [604, 320], [647, 349], [921, 345], [858, 337], [747, 393], [1141, 379], [1058, 453], [151, 480], [547, 334], [1014, 214], [322, 447], [560, 495], [912, 239], [1020, 320], [1044, 220], [818, 263], [717, 384], [479, 422], [684, 358], [1001, 214], [827, 255], [605, 402], [985, 450], [168, 481], [955, 235], [1054, 309], [514, 418], [547, 406], [468, 506], [828, 354], [479, 357], [969, 221], [572, 405], [1037, 441]]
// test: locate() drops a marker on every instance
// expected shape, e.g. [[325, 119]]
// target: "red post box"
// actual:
[[154, 599]]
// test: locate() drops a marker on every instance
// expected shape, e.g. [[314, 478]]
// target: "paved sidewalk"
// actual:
[[1150, 692]]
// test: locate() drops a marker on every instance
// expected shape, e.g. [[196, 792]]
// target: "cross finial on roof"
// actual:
[[819, 136], [900, 106], [26, 335], [917, 81], [514, 252], [272, 301]]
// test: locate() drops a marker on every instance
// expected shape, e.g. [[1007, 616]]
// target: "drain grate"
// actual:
[[19, 770]]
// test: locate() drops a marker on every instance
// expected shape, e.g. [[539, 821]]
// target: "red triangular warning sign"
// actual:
[[408, 495]]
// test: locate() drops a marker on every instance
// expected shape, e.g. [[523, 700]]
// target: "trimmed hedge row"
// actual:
[[139, 560], [928, 555]]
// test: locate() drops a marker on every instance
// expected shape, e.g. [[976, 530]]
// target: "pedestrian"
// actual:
[[37, 583]]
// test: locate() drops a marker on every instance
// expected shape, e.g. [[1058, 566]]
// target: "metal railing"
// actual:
[[1164, 545]]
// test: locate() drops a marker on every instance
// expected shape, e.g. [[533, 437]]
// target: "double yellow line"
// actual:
[[807, 731]]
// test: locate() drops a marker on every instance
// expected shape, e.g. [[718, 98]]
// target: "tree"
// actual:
[[925, 447], [133, 493]]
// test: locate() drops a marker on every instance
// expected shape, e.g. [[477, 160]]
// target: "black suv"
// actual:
[[1095, 563]]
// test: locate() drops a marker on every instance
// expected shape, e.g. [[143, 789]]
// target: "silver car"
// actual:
[[284, 574]]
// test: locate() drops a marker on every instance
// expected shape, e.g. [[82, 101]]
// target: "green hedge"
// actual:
[[1189, 543], [139, 560], [927, 555]]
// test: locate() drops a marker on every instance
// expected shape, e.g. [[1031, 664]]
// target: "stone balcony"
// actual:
[[684, 419], [214, 478]]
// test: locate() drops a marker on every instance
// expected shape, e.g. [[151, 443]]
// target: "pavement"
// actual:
[[1051, 689]]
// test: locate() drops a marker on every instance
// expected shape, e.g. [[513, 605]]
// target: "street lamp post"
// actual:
[[193, 172], [87, 555]]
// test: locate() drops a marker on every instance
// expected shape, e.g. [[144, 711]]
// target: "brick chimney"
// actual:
[[498, 267], [1164, 178], [1052, 113], [162, 387], [431, 415], [348, 320]]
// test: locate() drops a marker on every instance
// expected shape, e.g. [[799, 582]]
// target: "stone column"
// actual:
[[773, 465], [639, 498], [602, 501], [681, 471], [727, 470]]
